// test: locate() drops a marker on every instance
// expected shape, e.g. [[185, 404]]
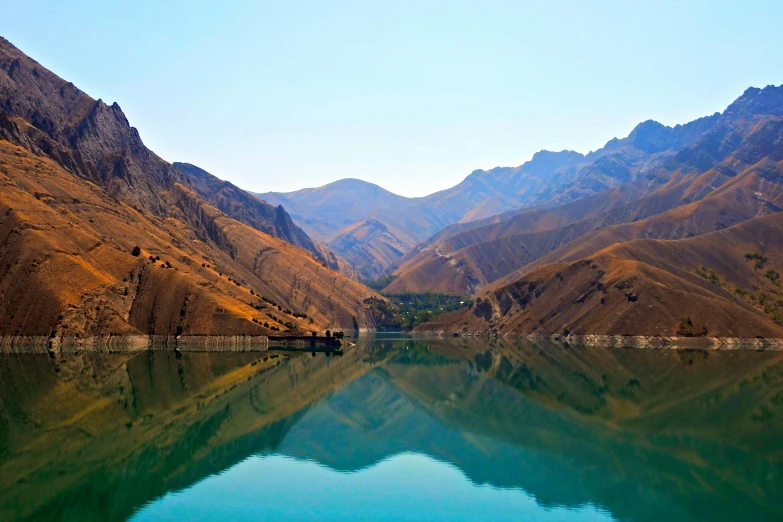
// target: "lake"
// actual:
[[394, 428]]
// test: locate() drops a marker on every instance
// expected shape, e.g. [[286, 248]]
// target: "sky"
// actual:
[[411, 95]]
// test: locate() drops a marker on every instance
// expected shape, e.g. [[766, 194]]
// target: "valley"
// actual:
[[649, 235]]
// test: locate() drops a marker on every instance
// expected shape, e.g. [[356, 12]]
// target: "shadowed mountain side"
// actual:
[[98, 235], [705, 285], [96, 437], [260, 215]]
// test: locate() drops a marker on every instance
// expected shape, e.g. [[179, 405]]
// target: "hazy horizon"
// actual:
[[411, 97]]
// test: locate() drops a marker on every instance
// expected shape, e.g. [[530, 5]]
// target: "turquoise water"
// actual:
[[394, 429]]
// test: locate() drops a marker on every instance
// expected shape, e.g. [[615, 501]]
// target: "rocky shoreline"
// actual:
[[638, 341], [711, 343], [133, 343]]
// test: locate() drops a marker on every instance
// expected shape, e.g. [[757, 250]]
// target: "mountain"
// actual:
[[243, 207], [708, 285], [726, 177], [698, 253], [248, 209], [325, 211], [376, 238], [98, 235]]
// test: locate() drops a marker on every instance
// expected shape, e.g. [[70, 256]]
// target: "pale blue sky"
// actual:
[[412, 95]]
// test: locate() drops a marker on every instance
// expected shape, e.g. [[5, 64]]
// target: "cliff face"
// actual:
[[81, 192]]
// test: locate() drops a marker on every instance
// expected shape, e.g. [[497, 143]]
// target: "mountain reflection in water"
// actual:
[[392, 428]]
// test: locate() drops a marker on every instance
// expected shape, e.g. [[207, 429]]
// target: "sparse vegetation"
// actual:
[[709, 275], [380, 284], [773, 275], [406, 311], [770, 301], [758, 259]]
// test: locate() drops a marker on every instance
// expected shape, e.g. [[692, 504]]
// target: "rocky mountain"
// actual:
[[248, 209], [243, 207], [713, 183], [380, 232], [694, 252], [99, 235]]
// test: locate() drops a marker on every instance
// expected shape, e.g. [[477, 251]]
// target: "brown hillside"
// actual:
[[250, 210], [370, 245], [80, 191], [703, 285]]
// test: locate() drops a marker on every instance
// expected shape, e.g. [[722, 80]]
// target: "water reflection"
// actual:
[[636, 434]]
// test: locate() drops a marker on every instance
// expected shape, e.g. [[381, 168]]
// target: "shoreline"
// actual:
[[260, 343], [144, 343], [630, 341]]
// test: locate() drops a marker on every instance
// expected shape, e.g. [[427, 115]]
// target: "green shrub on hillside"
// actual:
[[406, 311]]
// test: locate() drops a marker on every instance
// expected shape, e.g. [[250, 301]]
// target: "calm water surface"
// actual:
[[394, 429]]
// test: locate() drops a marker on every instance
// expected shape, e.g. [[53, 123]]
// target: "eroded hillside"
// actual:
[[98, 235]]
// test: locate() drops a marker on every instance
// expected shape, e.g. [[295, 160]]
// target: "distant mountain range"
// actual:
[[693, 247], [373, 228], [98, 235], [507, 234]]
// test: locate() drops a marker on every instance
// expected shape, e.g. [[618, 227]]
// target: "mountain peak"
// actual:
[[547, 161], [768, 100], [651, 136]]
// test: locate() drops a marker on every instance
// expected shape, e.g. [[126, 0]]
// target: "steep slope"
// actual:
[[725, 177], [243, 207], [248, 209], [81, 192], [705, 285]]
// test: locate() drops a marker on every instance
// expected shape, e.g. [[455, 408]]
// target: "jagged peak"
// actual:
[[768, 100]]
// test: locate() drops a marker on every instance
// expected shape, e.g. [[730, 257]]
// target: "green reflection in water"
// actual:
[[640, 434]]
